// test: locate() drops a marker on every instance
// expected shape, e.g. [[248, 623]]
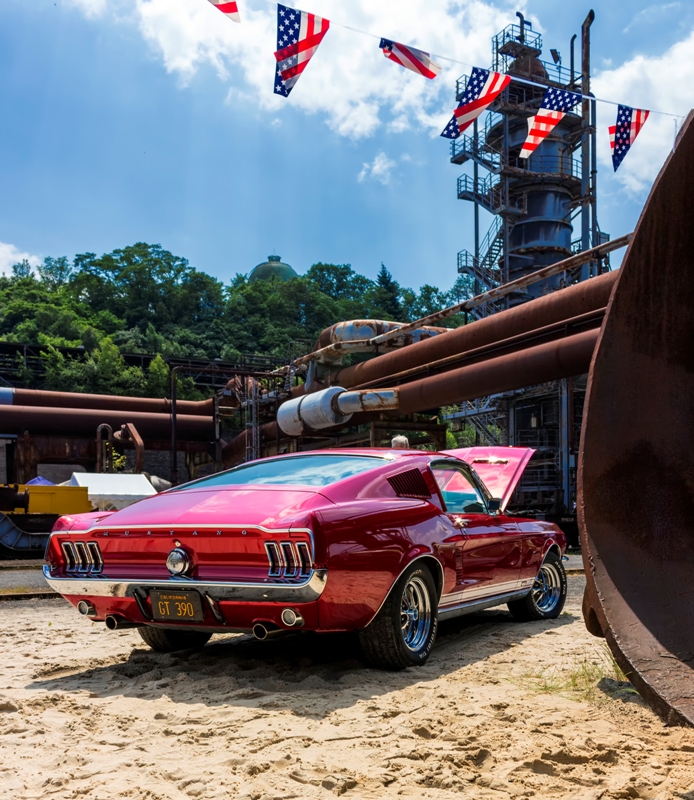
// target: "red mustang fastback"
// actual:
[[383, 542]]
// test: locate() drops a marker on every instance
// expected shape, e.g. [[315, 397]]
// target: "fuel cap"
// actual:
[[178, 562]]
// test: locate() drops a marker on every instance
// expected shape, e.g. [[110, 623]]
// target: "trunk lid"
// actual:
[[259, 506], [500, 468]]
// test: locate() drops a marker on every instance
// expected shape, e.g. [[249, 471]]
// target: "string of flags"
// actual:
[[409, 57], [299, 34], [624, 132], [229, 9], [483, 87], [555, 105]]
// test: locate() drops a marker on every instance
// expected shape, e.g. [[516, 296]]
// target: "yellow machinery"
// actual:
[[56, 500], [27, 514]]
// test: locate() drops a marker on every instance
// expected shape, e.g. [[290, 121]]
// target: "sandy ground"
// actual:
[[501, 710]]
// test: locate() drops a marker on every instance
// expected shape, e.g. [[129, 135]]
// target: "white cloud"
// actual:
[[90, 8], [379, 169], [650, 13], [349, 81], [660, 83], [10, 255]]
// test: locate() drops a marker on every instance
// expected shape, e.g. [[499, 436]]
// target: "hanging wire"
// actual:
[[516, 79]]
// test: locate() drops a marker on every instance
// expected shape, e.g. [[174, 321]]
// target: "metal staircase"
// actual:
[[489, 194], [484, 416], [487, 270]]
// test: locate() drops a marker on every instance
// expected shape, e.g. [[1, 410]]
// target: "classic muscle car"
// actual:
[[383, 542]]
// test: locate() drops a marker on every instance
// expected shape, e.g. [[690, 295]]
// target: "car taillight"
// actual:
[[288, 559], [82, 557]]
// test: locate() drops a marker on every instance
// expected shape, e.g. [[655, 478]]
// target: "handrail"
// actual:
[[512, 286]]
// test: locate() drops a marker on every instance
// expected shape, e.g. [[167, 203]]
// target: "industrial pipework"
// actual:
[[636, 463], [332, 407]]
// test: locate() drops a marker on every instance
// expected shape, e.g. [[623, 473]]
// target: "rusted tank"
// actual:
[[636, 469]]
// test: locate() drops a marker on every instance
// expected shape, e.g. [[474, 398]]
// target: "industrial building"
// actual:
[[536, 207]]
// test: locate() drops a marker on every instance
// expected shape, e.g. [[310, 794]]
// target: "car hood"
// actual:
[[500, 468], [264, 506]]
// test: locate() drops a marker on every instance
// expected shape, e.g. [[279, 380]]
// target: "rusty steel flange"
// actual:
[[636, 466]]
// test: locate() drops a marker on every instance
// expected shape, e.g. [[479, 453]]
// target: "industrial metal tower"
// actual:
[[536, 204]]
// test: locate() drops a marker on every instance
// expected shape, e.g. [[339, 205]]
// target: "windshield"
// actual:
[[313, 470]]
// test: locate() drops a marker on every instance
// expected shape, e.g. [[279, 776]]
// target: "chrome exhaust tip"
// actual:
[[260, 632], [263, 631], [292, 619], [114, 622], [86, 609]]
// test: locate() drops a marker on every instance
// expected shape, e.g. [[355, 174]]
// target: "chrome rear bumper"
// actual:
[[306, 591]]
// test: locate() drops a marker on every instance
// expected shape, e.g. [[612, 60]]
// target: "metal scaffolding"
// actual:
[[535, 203]]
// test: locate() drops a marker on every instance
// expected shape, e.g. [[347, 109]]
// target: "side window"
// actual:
[[460, 495]]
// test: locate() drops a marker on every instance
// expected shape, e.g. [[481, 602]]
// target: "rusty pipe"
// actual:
[[128, 435], [553, 308], [406, 335], [84, 421], [104, 448], [592, 319], [636, 463], [357, 402], [544, 362], [360, 329], [45, 399], [511, 287]]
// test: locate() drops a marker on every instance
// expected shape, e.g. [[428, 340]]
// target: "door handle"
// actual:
[[460, 522]]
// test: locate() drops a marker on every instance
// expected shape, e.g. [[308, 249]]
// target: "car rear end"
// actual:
[[207, 578]]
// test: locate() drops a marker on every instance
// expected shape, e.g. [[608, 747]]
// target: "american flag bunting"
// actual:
[[483, 87], [298, 36], [409, 57], [555, 104], [623, 134], [228, 8]]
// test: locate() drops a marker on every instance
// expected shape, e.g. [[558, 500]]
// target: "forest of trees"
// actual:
[[144, 299]]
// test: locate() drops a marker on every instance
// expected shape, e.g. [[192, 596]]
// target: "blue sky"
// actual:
[[154, 120]]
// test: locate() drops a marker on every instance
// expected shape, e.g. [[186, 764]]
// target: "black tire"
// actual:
[[399, 636], [164, 640], [548, 595]]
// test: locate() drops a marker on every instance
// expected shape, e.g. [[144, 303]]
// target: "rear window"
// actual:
[[310, 470]]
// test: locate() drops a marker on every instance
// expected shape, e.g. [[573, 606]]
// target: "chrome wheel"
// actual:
[[415, 613], [547, 588]]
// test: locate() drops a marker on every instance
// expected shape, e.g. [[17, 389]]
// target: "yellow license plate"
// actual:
[[176, 606]]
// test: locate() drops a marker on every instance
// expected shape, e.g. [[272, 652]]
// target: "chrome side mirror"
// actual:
[[494, 505]]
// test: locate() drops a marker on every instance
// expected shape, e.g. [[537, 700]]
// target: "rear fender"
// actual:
[[434, 566], [350, 602]]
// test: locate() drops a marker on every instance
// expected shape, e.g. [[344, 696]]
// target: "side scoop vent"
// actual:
[[410, 483]]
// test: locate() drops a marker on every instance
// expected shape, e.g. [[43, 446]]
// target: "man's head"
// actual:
[[400, 443]]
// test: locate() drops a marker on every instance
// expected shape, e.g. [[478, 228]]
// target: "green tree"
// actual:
[[55, 272], [142, 299], [22, 269], [158, 378], [387, 294]]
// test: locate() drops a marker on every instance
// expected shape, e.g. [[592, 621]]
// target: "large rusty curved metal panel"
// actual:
[[636, 471]]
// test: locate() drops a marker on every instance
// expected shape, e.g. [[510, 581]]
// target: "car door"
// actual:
[[483, 549]]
